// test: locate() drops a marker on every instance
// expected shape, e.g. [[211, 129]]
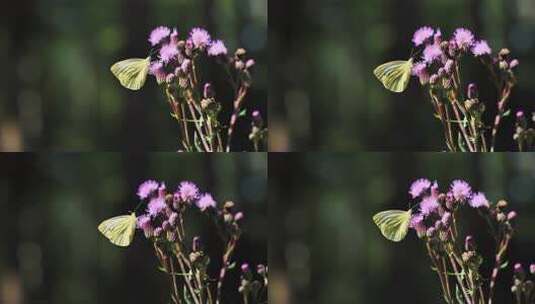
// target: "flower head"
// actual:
[[158, 34], [460, 190], [143, 222], [417, 223], [479, 200], [168, 52], [422, 34], [420, 70], [419, 186], [200, 38], [188, 191], [463, 38], [206, 201], [481, 48], [156, 206], [156, 69], [217, 48], [147, 188], [432, 52], [429, 205]]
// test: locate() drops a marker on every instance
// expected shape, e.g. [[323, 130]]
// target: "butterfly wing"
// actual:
[[119, 230], [394, 75], [132, 73], [394, 224]]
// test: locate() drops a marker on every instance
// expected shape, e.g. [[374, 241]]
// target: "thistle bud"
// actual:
[[511, 215], [166, 226], [240, 52], [500, 217], [239, 65], [514, 63], [469, 243], [502, 204], [472, 91], [257, 119], [504, 53], [196, 244], [532, 268], [446, 219], [250, 63], [208, 91], [238, 216], [430, 232], [503, 65], [519, 272], [448, 67], [157, 232], [434, 79]]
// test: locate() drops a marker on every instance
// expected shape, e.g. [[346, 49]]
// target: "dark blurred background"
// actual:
[[51, 251], [323, 95], [325, 248], [56, 90]]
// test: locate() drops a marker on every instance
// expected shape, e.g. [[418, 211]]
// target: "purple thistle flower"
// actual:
[[417, 223], [200, 38], [511, 215], [147, 188], [463, 38], [188, 191], [532, 268], [206, 201], [143, 222], [429, 205], [168, 52], [238, 216], [432, 53], [156, 69], [422, 34], [479, 200], [420, 70], [419, 186], [156, 206], [217, 48], [460, 190], [158, 34], [481, 48], [514, 63]]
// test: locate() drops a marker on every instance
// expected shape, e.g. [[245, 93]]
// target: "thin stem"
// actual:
[[222, 273], [237, 107]]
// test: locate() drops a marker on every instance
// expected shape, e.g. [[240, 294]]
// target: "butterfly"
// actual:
[[394, 224], [120, 229], [132, 73], [395, 75]]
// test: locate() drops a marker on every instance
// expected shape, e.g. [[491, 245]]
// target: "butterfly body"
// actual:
[[120, 229], [132, 73], [394, 224], [395, 75]]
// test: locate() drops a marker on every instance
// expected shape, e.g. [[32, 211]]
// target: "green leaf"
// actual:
[[504, 265], [506, 113], [242, 113]]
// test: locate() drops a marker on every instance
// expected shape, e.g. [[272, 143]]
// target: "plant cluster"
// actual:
[[456, 258], [456, 101], [182, 257], [176, 63]]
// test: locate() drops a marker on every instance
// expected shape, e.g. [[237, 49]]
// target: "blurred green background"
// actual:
[[324, 95], [51, 204], [56, 90], [324, 247]]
